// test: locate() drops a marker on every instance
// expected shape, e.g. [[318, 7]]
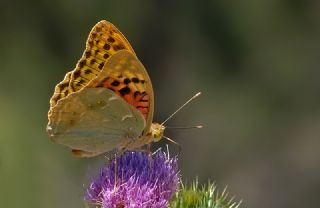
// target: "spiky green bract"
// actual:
[[205, 197]]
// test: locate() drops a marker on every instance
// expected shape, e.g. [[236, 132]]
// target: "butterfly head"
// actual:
[[156, 131]]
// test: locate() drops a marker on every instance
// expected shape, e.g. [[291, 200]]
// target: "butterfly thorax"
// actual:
[[156, 131]]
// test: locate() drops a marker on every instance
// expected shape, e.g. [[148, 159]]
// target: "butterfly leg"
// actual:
[[115, 171], [150, 154]]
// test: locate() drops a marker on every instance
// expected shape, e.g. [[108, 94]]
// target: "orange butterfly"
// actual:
[[107, 101]]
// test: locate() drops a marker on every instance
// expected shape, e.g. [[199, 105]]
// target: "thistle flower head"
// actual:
[[135, 179]]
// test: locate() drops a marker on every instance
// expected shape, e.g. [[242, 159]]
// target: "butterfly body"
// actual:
[[107, 101]]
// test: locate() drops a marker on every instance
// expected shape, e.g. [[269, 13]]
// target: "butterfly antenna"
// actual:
[[184, 127], [192, 98]]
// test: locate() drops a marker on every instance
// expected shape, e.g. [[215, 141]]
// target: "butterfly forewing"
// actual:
[[104, 40]]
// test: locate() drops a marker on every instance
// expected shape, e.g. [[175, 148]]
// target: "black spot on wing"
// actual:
[[125, 90]]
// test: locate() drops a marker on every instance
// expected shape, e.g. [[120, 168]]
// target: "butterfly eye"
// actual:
[[157, 131], [156, 134]]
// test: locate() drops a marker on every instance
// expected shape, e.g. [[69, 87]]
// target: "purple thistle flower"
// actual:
[[140, 181]]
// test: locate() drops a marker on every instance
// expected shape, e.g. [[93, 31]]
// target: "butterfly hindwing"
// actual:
[[94, 120]]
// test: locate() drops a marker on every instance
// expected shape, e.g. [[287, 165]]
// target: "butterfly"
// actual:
[[107, 101]]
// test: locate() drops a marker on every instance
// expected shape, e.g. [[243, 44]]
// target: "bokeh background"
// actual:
[[257, 64]]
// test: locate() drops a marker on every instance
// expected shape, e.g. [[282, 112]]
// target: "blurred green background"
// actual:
[[256, 62]]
